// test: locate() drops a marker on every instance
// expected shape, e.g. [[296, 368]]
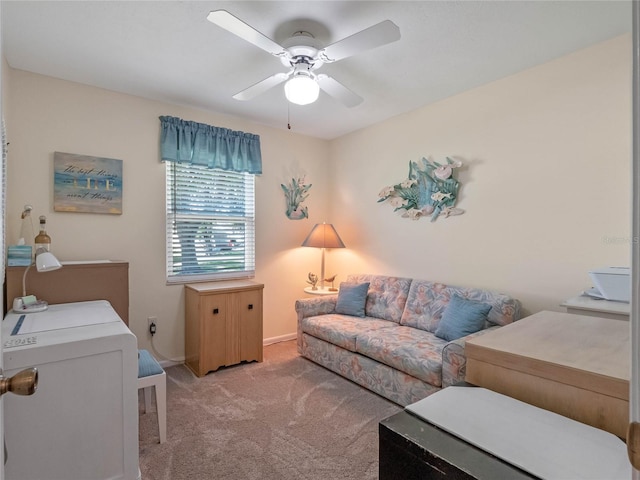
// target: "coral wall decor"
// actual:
[[430, 189], [295, 193]]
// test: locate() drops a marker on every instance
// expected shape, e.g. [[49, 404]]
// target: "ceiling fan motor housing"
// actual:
[[302, 68], [302, 47]]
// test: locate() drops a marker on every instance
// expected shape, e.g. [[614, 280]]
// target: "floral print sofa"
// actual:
[[393, 349]]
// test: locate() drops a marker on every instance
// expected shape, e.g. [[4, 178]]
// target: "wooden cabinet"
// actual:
[[223, 324]]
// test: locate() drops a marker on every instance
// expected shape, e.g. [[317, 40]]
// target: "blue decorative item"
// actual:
[[295, 193], [430, 190], [352, 299], [462, 317]]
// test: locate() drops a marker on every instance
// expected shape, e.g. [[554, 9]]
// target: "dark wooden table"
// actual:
[[412, 449]]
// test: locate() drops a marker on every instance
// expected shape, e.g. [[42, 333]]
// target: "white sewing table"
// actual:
[[82, 421]]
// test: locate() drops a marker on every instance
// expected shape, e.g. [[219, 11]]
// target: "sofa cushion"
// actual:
[[387, 295], [425, 305], [462, 317], [427, 301], [352, 298], [415, 352], [393, 384], [342, 330]]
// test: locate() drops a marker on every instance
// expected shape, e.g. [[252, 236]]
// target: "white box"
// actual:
[[613, 283]]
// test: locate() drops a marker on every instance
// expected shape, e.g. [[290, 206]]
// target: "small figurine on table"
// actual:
[[331, 280], [313, 280]]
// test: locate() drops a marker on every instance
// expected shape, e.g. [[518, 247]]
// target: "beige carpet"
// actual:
[[284, 418]]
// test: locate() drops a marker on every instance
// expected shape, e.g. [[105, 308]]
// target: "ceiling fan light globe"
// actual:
[[301, 90]]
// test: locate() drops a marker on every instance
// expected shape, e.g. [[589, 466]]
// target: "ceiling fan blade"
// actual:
[[338, 91], [233, 24], [372, 37], [261, 87]]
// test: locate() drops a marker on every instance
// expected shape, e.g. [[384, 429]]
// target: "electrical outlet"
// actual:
[[152, 325]]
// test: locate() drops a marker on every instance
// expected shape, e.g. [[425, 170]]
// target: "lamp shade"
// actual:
[[301, 90], [323, 235], [46, 262]]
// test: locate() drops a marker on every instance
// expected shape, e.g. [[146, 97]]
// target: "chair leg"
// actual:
[[161, 407], [147, 399]]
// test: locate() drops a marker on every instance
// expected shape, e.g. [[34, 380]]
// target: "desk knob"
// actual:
[[22, 383]]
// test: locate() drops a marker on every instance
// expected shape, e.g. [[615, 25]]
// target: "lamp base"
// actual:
[[20, 307]]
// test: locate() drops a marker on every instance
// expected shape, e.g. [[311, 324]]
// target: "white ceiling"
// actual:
[[168, 51]]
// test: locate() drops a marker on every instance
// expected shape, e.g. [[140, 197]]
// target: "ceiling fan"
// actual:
[[303, 56]]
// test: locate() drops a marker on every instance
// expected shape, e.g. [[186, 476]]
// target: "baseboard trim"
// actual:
[[267, 341], [281, 338], [172, 362]]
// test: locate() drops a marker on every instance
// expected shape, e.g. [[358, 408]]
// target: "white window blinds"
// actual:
[[210, 223]]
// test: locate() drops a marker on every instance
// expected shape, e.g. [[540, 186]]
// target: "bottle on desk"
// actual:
[[43, 240]]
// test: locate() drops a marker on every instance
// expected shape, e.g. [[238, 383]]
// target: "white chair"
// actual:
[[151, 374]]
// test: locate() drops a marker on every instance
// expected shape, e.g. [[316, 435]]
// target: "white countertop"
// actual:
[[585, 302], [62, 323]]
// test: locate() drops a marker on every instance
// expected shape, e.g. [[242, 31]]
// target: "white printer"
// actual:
[[611, 283]]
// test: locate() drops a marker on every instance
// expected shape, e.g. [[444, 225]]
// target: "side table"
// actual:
[[321, 291]]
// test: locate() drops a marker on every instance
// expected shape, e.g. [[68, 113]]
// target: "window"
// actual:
[[210, 223], [210, 200]]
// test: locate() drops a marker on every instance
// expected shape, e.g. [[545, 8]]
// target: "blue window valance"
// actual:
[[214, 147]]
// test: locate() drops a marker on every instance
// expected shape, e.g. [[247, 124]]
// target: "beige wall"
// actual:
[[546, 184], [546, 187], [48, 115]]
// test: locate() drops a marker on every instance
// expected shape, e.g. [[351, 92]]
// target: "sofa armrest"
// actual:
[[310, 307], [454, 359]]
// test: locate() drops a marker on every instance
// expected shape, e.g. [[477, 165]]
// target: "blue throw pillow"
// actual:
[[462, 317], [352, 298]]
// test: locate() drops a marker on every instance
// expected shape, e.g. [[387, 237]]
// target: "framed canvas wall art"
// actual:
[[86, 184]]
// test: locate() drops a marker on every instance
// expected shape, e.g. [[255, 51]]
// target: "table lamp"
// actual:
[[323, 235], [45, 262]]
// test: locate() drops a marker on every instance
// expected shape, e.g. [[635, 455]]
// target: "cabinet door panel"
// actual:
[[250, 324], [215, 311], [233, 332]]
